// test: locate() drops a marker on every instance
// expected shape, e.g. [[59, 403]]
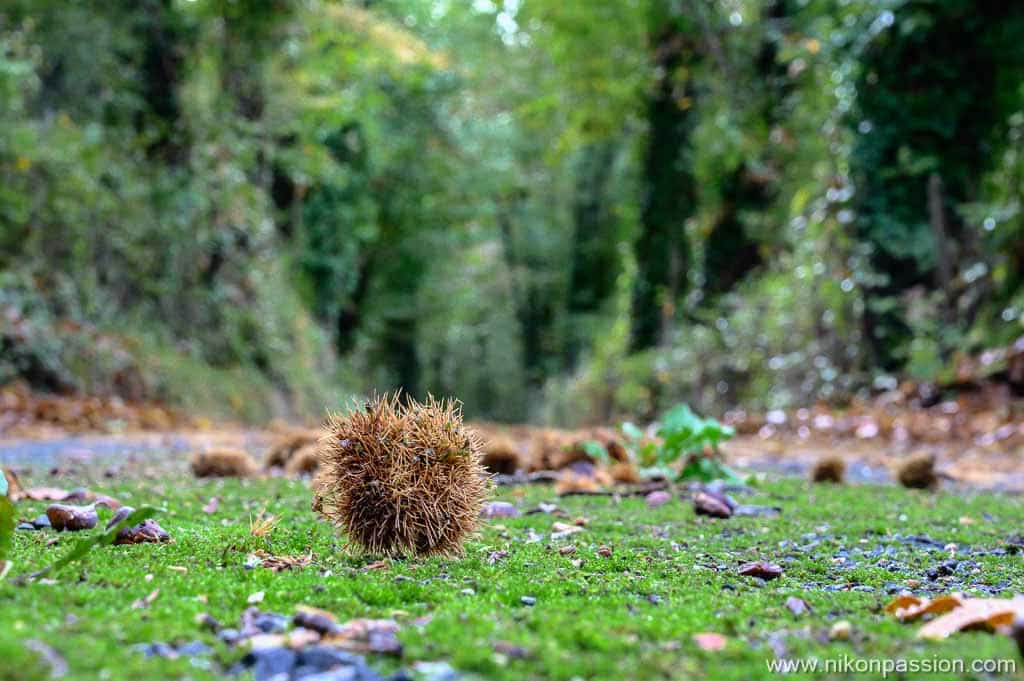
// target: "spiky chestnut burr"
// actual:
[[402, 479]]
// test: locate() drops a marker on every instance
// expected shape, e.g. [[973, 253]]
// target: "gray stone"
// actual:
[[268, 663]]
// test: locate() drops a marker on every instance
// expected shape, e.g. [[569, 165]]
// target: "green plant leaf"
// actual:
[[631, 430], [708, 469], [596, 451], [6, 526]]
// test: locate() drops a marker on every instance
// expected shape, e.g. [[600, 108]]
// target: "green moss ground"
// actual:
[[629, 616]]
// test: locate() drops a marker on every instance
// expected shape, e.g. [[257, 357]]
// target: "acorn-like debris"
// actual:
[[306, 461], [918, 471], [402, 479], [829, 469], [501, 455], [222, 463], [288, 445]]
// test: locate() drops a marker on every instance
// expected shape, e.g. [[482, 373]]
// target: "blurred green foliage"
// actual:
[[559, 210]]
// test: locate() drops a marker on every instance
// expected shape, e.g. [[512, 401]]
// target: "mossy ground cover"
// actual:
[[670, 575]]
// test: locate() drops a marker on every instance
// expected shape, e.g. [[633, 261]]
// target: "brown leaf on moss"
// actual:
[[989, 614], [559, 530], [955, 613], [625, 472], [141, 603], [909, 608], [14, 489], [279, 563], [761, 570], [48, 494], [587, 481]]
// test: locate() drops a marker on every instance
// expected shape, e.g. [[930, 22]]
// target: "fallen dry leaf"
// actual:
[[710, 642], [494, 556], [909, 608], [761, 570], [975, 613], [14, 489], [50, 494], [559, 530], [147, 601], [956, 613], [278, 563], [571, 482]]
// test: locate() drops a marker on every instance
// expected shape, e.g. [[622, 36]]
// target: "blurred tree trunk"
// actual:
[[594, 259], [161, 74], [662, 251], [730, 251]]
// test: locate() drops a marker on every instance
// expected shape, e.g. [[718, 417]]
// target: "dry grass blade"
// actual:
[[263, 524]]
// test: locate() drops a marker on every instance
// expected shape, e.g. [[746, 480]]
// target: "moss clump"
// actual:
[[222, 463], [829, 469], [402, 479]]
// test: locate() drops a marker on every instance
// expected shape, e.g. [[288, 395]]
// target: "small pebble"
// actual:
[[528, 600], [840, 631], [658, 498], [499, 509], [269, 663]]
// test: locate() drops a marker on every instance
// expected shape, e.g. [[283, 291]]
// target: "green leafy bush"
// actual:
[[685, 436]]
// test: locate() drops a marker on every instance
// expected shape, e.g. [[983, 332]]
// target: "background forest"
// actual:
[[556, 210]]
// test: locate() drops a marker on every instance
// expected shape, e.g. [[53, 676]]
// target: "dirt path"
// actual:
[[867, 462], [871, 461], [50, 452]]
